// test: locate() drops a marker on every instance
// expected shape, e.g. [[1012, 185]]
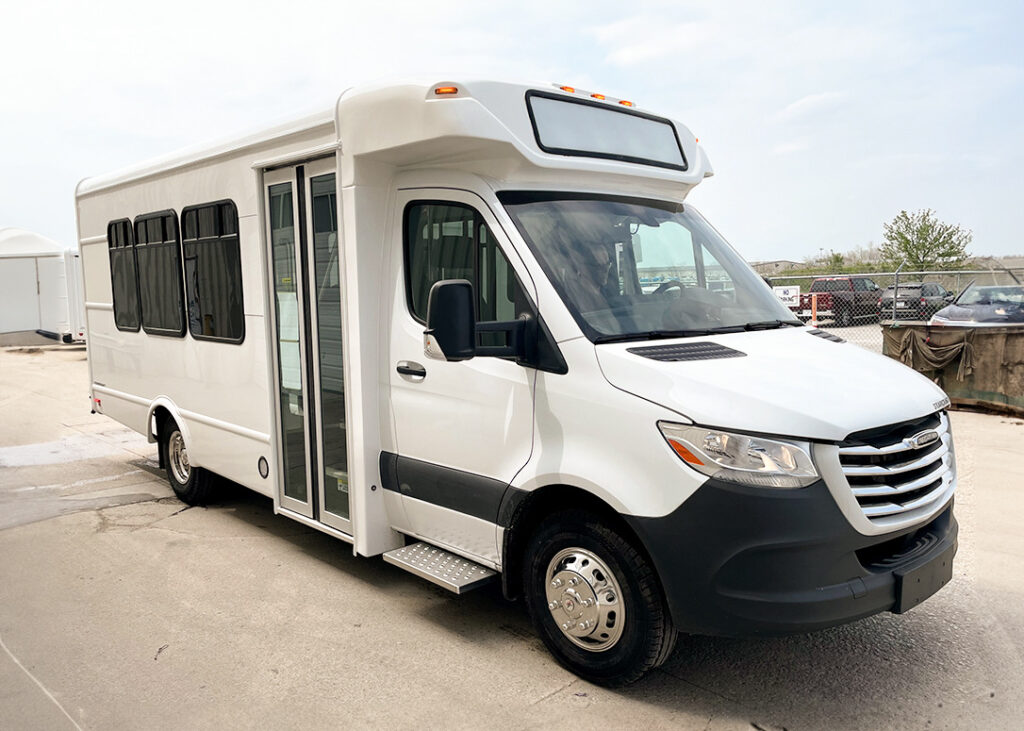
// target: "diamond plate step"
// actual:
[[445, 569]]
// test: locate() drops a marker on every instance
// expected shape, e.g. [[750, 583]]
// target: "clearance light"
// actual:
[[696, 139], [570, 89], [624, 103], [598, 96], [446, 90]]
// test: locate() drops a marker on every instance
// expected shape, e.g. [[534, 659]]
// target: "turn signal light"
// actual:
[[446, 90], [683, 452]]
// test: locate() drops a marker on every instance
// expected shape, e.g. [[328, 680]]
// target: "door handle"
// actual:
[[411, 368]]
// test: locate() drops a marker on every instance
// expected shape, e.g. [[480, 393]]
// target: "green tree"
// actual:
[[924, 242]]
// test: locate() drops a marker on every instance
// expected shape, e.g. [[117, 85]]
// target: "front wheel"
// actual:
[[193, 485], [844, 317], [595, 600]]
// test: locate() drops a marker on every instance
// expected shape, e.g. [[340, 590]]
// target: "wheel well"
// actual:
[[160, 417], [534, 509]]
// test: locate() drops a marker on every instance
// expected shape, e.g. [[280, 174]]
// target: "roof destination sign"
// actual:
[[579, 127]]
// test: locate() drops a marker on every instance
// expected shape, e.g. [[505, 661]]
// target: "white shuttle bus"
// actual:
[[475, 328]]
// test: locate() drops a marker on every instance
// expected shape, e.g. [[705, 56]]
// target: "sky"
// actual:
[[822, 120]]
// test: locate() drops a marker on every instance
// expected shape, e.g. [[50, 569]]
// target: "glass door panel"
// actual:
[[289, 324], [323, 202]]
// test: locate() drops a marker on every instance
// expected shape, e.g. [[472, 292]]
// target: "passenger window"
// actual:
[[158, 256], [213, 272], [860, 285], [451, 241], [123, 280]]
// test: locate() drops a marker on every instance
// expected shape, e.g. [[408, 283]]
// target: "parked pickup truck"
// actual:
[[843, 300]]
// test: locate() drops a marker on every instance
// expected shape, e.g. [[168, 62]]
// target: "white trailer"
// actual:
[[472, 326]]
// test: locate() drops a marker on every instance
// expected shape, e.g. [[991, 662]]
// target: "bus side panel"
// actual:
[[218, 382]]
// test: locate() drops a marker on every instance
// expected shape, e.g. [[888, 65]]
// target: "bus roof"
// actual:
[[421, 121]]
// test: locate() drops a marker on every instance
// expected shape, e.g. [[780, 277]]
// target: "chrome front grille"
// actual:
[[902, 471]]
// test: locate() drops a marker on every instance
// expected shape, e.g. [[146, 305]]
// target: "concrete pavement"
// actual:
[[120, 608]]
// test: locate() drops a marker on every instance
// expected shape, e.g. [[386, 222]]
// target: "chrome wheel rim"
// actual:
[[177, 455], [585, 599]]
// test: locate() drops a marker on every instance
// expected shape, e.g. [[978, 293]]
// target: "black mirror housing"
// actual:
[[451, 321]]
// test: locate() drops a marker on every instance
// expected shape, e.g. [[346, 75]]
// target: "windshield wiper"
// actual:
[[772, 324], [721, 330], [656, 335]]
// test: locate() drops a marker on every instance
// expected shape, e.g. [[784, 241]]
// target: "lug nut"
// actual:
[[553, 605], [556, 583], [587, 602], [574, 581]]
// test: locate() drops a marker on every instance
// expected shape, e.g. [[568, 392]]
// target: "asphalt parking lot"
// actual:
[[122, 608]]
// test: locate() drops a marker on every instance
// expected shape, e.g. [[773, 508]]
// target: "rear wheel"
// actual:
[[193, 485], [595, 600]]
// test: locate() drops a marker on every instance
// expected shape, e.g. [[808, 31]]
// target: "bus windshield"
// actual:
[[632, 269]]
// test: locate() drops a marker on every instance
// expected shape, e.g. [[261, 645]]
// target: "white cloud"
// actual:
[[810, 105], [789, 148]]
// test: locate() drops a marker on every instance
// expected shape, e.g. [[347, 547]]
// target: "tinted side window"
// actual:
[[451, 241], [158, 255], [213, 272], [123, 282]]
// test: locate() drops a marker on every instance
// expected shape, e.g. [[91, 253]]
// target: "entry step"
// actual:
[[443, 568]]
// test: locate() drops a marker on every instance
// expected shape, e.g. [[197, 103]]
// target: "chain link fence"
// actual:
[[857, 306]]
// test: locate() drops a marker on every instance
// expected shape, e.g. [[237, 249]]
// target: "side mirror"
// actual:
[[451, 322], [949, 297]]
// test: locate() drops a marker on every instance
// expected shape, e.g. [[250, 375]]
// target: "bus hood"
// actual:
[[787, 382]]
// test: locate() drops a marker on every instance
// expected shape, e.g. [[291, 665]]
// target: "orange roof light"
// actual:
[[570, 89], [446, 90], [624, 103], [598, 96]]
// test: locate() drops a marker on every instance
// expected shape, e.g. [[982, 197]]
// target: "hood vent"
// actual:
[[686, 351], [825, 336]]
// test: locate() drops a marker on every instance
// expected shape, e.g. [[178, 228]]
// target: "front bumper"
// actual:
[[745, 561]]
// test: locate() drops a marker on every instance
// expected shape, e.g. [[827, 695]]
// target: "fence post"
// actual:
[[896, 290]]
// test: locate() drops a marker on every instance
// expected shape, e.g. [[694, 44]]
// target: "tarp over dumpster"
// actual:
[[976, 366]]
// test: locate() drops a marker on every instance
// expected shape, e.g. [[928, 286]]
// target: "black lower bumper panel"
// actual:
[[745, 561]]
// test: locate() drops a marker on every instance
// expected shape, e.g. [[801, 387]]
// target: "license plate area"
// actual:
[[914, 585]]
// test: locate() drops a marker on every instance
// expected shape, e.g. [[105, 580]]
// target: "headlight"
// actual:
[[739, 458]]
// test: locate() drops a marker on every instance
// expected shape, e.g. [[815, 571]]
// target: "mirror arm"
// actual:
[[518, 339]]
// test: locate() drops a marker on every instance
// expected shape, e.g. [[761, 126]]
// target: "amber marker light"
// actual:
[[570, 89], [624, 103], [598, 96], [684, 453], [446, 90]]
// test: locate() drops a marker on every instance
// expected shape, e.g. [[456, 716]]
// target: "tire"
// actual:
[[192, 485], [630, 629], [844, 317]]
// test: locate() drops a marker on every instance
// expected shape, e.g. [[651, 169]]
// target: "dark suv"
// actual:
[[916, 301]]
